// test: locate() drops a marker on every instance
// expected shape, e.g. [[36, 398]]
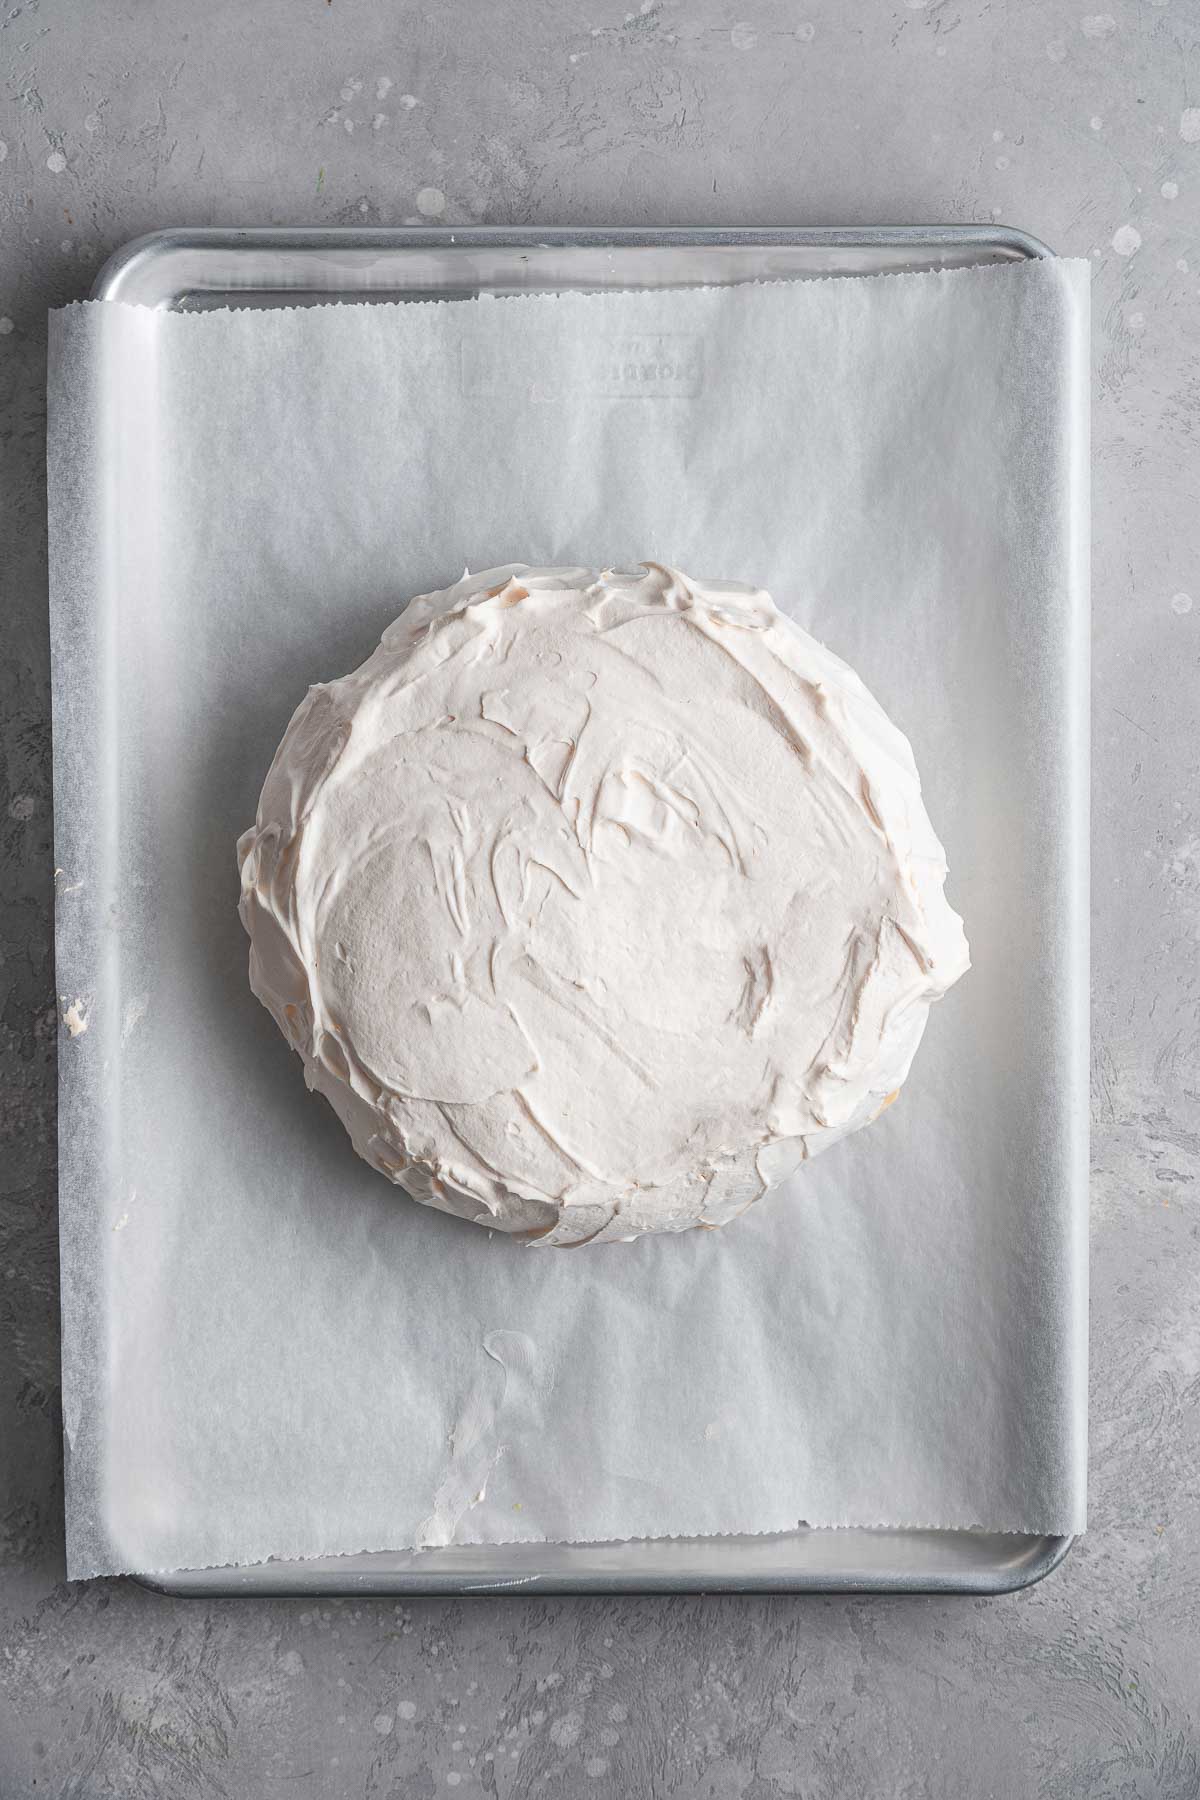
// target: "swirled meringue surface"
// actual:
[[596, 902]]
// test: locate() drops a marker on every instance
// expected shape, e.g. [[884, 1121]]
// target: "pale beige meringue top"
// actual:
[[595, 903]]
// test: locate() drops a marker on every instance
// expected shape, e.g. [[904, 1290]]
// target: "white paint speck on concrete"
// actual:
[[1189, 125], [383, 87], [806, 32], [1181, 604], [408, 101], [56, 162], [1169, 190], [91, 122], [596, 1766], [1135, 322], [382, 1723], [406, 1709], [6, 325], [431, 202], [1126, 239], [1098, 25], [1096, 122], [743, 36], [3, 150]]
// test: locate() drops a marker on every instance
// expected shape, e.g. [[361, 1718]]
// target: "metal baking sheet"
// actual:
[[192, 271]]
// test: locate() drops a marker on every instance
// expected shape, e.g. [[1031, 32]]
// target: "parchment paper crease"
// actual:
[[269, 1351]]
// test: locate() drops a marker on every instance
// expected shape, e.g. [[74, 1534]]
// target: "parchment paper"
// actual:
[[269, 1351]]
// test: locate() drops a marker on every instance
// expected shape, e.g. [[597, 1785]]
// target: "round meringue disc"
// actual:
[[596, 903]]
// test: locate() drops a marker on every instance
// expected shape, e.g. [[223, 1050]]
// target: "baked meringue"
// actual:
[[595, 903]]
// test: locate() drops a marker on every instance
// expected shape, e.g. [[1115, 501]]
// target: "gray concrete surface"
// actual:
[[1083, 127]]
